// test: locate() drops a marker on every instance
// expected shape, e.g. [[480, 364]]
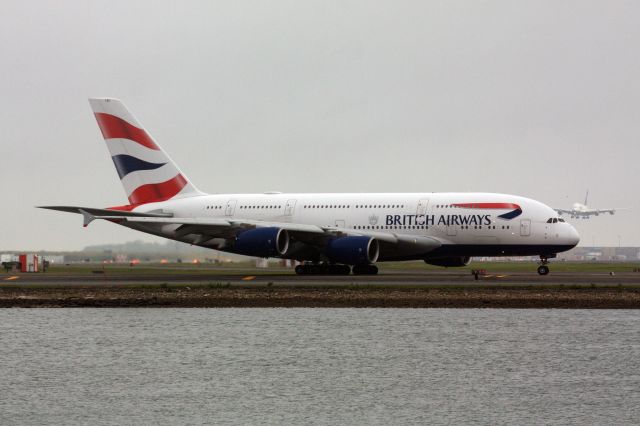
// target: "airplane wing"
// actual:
[[215, 227], [589, 212], [610, 211], [613, 211], [203, 230]]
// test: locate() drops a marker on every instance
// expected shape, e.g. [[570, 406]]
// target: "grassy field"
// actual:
[[169, 269], [247, 268]]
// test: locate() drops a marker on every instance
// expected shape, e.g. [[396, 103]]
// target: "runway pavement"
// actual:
[[287, 278]]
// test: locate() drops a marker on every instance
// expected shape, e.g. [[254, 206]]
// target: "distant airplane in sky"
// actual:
[[580, 210], [334, 233]]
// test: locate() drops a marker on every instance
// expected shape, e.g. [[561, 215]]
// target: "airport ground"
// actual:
[[408, 284]]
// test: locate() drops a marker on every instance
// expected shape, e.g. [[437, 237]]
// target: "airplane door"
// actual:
[[525, 227], [422, 206], [231, 207], [289, 207], [452, 231]]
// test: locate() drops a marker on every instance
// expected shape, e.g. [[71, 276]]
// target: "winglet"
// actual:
[[87, 217]]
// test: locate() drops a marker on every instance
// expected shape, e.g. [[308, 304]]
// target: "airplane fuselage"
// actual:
[[466, 224]]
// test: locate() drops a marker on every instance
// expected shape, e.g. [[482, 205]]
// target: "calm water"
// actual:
[[320, 366]]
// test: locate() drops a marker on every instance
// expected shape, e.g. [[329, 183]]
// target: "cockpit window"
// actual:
[[555, 220], [560, 219], [550, 220]]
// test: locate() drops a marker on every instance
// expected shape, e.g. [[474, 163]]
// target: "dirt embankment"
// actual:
[[247, 297]]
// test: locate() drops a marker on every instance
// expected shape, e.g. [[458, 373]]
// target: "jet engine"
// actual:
[[262, 242], [353, 250], [449, 262]]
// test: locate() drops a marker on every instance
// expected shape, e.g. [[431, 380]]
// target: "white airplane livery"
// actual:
[[329, 233]]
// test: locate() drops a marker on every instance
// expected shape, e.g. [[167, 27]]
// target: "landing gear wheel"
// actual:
[[338, 270], [543, 269], [322, 269]]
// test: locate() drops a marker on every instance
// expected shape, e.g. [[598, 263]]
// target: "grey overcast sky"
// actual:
[[535, 98]]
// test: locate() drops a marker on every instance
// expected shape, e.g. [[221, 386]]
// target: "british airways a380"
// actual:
[[333, 233]]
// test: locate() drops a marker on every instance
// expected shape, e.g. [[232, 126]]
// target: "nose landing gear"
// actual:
[[543, 269]]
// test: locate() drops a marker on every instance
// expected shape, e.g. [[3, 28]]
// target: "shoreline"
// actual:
[[320, 297]]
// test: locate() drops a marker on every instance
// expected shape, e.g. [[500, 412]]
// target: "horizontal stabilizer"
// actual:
[[102, 212], [89, 214]]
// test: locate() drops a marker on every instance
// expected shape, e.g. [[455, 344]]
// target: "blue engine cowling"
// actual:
[[262, 242], [353, 250]]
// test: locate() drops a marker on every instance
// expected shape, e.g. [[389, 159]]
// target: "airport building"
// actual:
[[29, 262], [8, 257]]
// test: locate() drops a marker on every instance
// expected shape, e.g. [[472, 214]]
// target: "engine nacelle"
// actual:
[[262, 242], [449, 262], [353, 250]]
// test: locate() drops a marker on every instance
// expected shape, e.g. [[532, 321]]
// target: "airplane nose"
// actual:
[[573, 238]]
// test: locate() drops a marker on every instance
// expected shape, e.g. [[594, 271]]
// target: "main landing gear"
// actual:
[[322, 269], [333, 269], [365, 270], [543, 269]]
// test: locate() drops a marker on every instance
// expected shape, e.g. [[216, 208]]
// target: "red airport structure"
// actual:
[[28, 262]]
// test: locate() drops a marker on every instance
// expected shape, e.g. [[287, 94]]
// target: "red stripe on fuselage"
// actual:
[[113, 127], [487, 206], [155, 192]]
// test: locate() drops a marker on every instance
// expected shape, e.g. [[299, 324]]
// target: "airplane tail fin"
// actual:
[[147, 173]]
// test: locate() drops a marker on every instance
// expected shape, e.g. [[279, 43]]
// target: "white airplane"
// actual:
[[579, 210], [335, 233]]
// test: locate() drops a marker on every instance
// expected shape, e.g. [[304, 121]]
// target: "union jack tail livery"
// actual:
[[147, 173]]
